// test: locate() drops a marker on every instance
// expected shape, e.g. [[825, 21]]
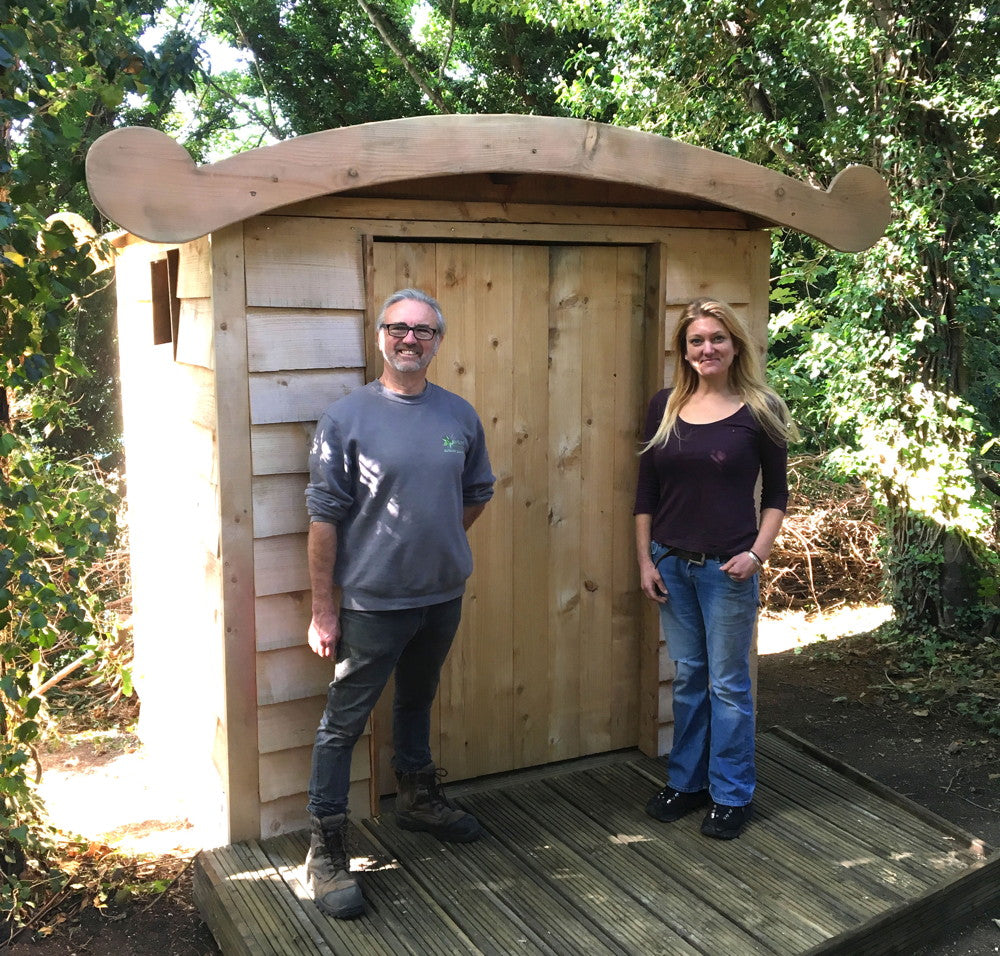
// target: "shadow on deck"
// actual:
[[833, 862]]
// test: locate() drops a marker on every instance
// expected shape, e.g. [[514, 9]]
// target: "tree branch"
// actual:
[[380, 25], [272, 126], [269, 122], [451, 42], [986, 478]]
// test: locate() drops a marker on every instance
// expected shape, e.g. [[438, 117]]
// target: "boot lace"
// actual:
[[435, 794], [336, 846]]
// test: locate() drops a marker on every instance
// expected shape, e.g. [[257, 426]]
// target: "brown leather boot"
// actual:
[[335, 889], [421, 805]]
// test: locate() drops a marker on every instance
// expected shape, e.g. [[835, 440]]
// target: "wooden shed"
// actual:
[[561, 251]]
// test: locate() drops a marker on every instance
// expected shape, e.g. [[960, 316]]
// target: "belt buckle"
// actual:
[[697, 558]]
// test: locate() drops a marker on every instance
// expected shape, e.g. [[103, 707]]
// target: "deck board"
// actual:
[[919, 822], [610, 851], [728, 876], [761, 883], [833, 862], [583, 871]]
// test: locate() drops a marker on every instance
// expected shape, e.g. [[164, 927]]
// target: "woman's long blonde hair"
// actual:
[[746, 375]]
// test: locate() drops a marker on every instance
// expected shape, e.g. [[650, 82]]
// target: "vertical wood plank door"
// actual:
[[546, 342]]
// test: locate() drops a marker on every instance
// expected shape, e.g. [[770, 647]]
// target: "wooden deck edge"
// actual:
[[917, 922], [974, 844], [244, 902], [216, 906]]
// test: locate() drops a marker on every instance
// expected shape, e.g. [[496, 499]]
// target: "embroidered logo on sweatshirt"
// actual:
[[454, 445]]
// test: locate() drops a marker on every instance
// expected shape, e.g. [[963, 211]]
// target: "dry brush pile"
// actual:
[[827, 554]]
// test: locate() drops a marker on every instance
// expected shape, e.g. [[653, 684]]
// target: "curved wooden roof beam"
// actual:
[[146, 183]]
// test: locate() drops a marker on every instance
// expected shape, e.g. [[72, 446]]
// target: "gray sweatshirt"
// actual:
[[394, 472]]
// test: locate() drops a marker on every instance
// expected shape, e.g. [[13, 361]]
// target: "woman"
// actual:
[[700, 549]]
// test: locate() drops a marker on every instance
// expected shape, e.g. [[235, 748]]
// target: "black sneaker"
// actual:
[[670, 804], [726, 823]]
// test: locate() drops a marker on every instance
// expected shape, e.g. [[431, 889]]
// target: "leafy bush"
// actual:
[[59, 520], [67, 70]]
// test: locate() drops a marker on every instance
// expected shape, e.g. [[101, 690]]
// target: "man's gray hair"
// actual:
[[417, 295]]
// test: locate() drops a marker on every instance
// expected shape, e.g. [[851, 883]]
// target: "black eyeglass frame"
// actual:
[[399, 330]]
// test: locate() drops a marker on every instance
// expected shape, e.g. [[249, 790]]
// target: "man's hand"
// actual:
[[470, 513], [324, 633]]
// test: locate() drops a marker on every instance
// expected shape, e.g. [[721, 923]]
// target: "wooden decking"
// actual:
[[832, 863]]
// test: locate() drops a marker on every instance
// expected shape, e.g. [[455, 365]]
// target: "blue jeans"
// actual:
[[708, 622], [415, 642]]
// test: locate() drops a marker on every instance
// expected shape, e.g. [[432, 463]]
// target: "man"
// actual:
[[398, 473]]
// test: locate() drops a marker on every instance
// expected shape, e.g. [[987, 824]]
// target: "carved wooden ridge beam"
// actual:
[[148, 184]]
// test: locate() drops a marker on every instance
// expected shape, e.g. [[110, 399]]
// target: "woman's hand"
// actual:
[[652, 583], [740, 567]]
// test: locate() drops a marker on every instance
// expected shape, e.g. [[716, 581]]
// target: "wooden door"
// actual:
[[546, 342]]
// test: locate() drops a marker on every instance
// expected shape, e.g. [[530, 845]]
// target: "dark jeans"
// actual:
[[415, 642]]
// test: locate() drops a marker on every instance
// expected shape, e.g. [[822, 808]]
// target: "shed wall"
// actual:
[[174, 524], [271, 317], [306, 276]]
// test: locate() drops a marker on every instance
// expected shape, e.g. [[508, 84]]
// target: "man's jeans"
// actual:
[[708, 622], [415, 642]]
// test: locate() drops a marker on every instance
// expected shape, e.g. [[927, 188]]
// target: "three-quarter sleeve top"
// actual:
[[700, 486]]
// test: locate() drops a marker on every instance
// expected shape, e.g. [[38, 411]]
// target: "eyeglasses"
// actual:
[[399, 330]]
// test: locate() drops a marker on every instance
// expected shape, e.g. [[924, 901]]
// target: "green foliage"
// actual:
[[68, 67], [942, 676], [320, 66], [888, 356], [57, 526], [66, 70]]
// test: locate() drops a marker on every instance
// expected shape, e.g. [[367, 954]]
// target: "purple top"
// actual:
[[699, 487]]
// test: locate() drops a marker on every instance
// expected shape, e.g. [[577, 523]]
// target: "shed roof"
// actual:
[[184, 201]]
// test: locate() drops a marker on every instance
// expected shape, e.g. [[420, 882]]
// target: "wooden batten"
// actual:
[[278, 505], [282, 339], [280, 564], [194, 277], [282, 619], [289, 724], [291, 673], [195, 344], [239, 773], [651, 718], [287, 814], [316, 260], [282, 771], [297, 396], [458, 199]]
